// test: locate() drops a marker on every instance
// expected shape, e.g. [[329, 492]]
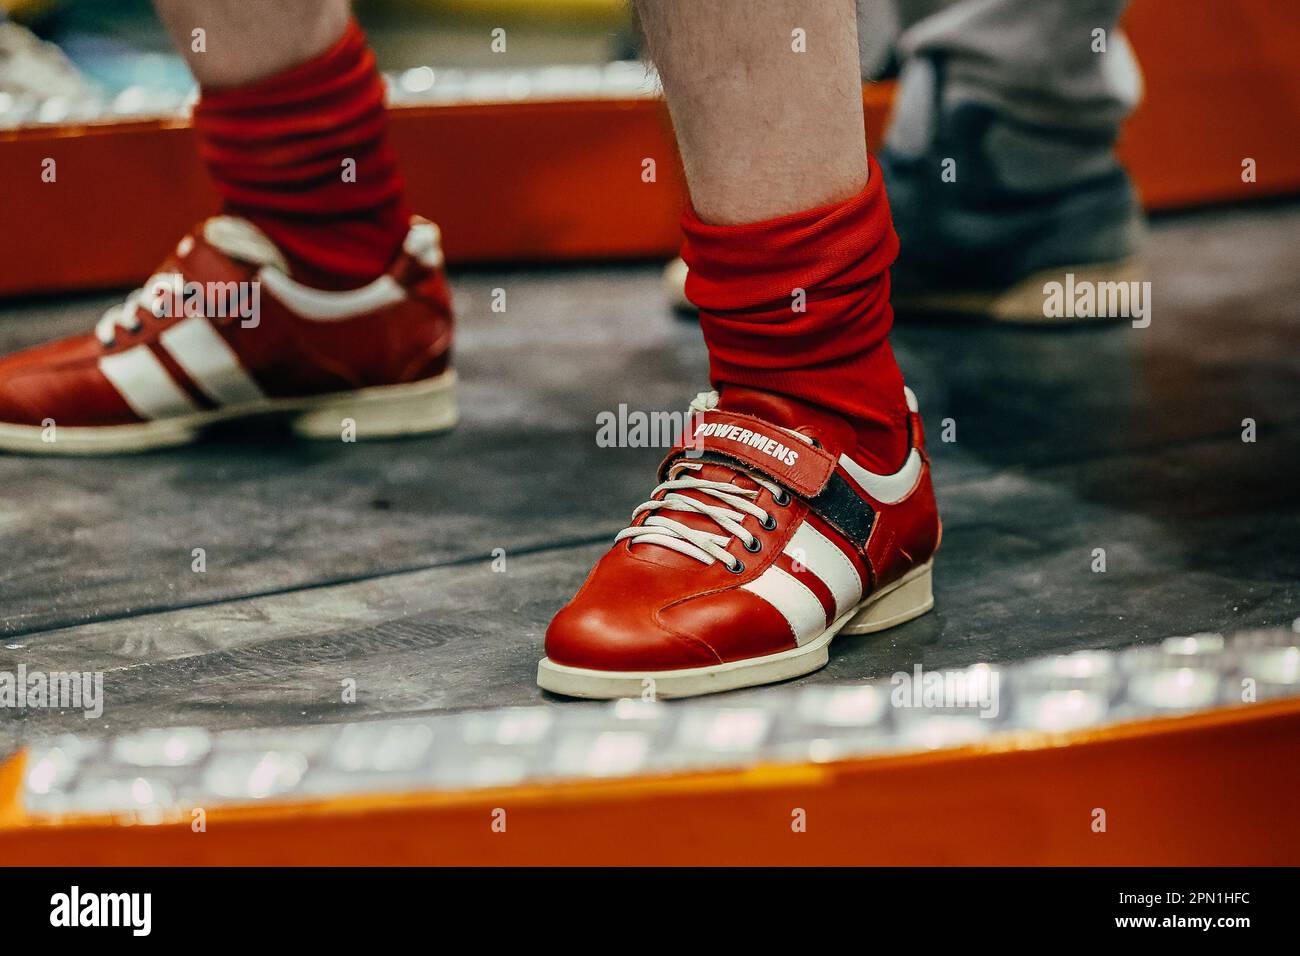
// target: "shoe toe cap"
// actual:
[[16, 405], [620, 638], [59, 382]]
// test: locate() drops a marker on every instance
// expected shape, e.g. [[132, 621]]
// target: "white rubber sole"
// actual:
[[384, 411], [1022, 303], [905, 599]]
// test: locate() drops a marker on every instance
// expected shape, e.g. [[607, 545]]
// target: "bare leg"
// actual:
[[788, 248], [790, 240], [249, 40], [763, 130], [290, 90]]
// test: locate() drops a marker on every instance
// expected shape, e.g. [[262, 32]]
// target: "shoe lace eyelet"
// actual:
[[768, 523], [758, 546], [737, 568], [781, 498]]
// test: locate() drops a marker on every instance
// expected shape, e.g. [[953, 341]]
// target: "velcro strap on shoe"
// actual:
[[843, 509], [789, 461]]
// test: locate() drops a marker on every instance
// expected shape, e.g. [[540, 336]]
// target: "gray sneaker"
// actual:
[[990, 209]]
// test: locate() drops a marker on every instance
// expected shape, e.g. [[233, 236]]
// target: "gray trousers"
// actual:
[[1032, 60]]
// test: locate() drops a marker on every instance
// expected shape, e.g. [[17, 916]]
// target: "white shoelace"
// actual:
[[703, 546], [124, 314]]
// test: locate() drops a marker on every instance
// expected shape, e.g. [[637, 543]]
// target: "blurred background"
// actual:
[[377, 562], [118, 44]]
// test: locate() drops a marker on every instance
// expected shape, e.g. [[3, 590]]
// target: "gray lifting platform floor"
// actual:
[[373, 561]]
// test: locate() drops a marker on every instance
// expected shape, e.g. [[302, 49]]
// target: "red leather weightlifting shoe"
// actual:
[[763, 541], [222, 331]]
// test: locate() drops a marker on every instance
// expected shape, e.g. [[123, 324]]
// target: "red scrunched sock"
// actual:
[[276, 149], [834, 354]]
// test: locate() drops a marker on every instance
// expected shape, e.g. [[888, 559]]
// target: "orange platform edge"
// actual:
[[1214, 788], [554, 181]]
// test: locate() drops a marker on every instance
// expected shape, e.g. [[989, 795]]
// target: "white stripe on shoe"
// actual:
[[812, 549], [321, 305], [797, 604], [205, 356], [145, 384], [887, 489]]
